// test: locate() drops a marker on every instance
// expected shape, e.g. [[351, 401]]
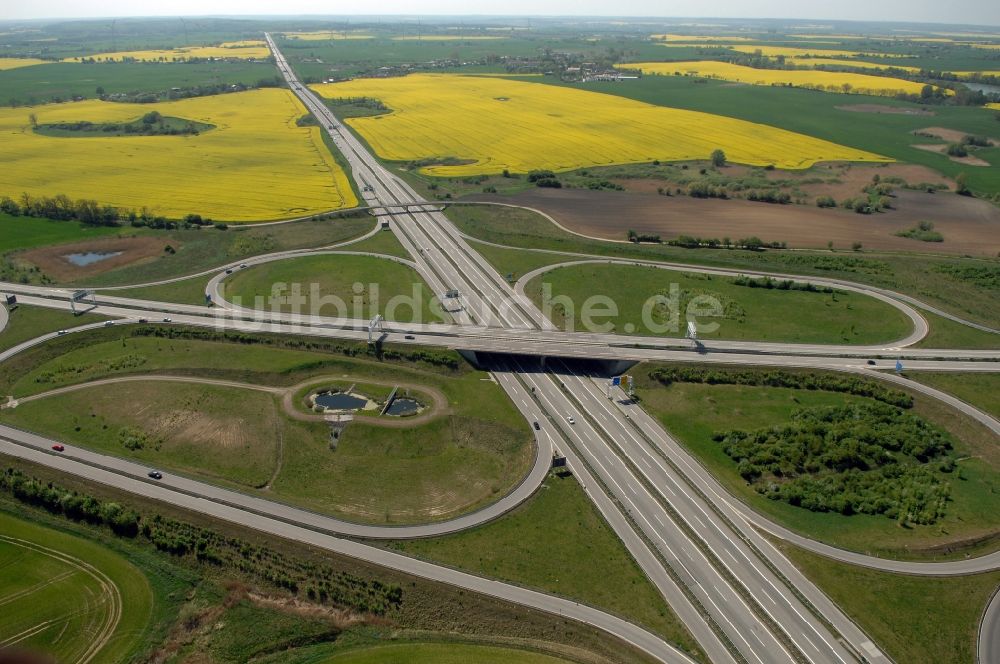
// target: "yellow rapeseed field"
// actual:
[[256, 164], [447, 38], [791, 52], [244, 50], [324, 35], [995, 107], [699, 38], [499, 124], [815, 80], [833, 62], [16, 63]]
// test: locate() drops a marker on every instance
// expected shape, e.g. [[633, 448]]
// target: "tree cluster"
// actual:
[[317, 581], [780, 284], [855, 385], [859, 458]]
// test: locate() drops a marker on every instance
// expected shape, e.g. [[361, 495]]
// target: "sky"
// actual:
[[973, 12]]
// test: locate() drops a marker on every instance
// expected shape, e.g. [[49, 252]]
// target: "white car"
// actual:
[[569, 418]]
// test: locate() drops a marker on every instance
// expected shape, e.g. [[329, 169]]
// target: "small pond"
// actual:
[[403, 406], [340, 401], [90, 257]]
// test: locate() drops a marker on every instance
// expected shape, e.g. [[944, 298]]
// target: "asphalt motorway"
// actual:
[[740, 598]]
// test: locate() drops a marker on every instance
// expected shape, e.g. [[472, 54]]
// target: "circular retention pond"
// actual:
[[403, 406], [90, 257], [339, 401]]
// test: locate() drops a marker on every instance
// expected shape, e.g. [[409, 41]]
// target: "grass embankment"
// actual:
[[916, 619], [743, 313], [558, 543], [384, 242], [186, 291], [337, 286], [946, 333], [27, 322], [228, 594], [467, 457], [67, 597], [694, 412], [979, 389], [433, 653], [964, 287]]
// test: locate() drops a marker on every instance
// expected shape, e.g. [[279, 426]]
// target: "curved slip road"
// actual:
[[688, 267], [989, 632], [4, 317], [615, 626], [521, 492], [234, 264], [920, 327]]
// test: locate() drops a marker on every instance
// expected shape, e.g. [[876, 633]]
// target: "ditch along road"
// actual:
[[742, 630]]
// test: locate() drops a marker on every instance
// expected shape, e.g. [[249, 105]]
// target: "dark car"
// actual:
[[537, 427], [871, 363], [58, 448], [155, 474], [409, 336]]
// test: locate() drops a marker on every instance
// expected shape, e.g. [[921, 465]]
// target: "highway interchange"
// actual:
[[742, 600]]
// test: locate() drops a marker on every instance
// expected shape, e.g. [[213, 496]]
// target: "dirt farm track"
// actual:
[[969, 226]]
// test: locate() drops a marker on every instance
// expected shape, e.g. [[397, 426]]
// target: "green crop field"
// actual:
[[949, 283], [916, 619], [695, 412], [744, 313], [558, 543], [27, 232], [337, 286], [66, 80], [433, 470], [68, 597]]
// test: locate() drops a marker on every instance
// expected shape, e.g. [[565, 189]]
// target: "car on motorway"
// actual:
[[108, 323], [168, 320], [58, 448], [229, 271], [409, 336], [537, 426], [870, 363], [243, 266], [569, 418], [155, 474], [61, 332], [143, 320]]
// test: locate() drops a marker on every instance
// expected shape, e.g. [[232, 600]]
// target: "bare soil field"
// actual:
[[941, 148], [951, 135], [839, 180], [53, 260], [969, 226], [880, 108]]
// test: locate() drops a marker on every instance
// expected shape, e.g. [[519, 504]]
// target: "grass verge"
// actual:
[[558, 543], [916, 619]]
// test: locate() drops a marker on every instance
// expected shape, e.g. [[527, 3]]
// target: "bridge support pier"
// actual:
[[471, 357], [617, 367]]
